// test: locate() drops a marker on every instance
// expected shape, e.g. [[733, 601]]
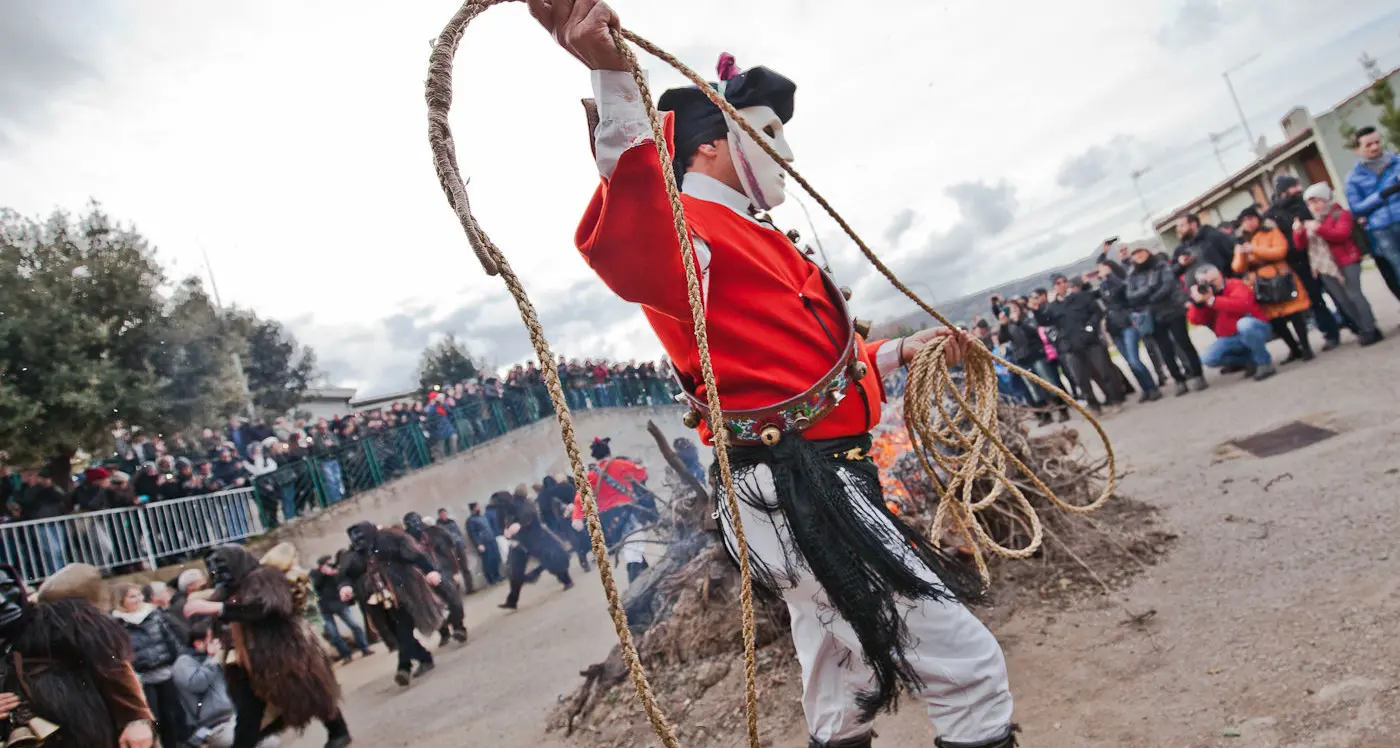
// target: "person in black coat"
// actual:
[[1118, 318], [1078, 319], [531, 538], [441, 551], [1020, 332], [156, 645], [459, 548], [1158, 303], [483, 537], [325, 580], [556, 501], [1201, 245], [385, 570]]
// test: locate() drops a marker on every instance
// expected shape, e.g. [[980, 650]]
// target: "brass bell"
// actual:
[[801, 423], [862, 327], [770, 436], [846, 292], [793, 236], [691, 419], [858, 370]]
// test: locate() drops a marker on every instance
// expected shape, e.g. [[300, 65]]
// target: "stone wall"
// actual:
[[522, 456]]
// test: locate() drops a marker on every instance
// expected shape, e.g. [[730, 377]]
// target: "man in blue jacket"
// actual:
[[1373, 193]]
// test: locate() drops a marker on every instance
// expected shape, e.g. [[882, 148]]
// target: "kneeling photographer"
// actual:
[[1228, 308]]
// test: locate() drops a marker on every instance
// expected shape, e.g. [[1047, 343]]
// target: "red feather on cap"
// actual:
[[728, 67]]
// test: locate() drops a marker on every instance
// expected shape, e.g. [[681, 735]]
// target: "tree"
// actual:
[[198, 383], [443, 363], [80, 318], [278, 368]]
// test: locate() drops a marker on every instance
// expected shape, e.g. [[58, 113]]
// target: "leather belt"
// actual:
[[767, 425]]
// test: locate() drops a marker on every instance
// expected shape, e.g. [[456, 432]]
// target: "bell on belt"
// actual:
[[801, 423], [846, 292], [770, 435], [862, 327], [858, 370], [793, 236], [691, 419]]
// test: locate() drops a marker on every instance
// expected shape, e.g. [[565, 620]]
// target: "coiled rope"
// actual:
[[971, 427]]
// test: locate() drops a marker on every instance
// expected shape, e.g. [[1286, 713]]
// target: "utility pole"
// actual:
[[1244, 121], [237, 360]]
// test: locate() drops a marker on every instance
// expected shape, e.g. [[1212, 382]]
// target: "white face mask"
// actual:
[[761, 177]]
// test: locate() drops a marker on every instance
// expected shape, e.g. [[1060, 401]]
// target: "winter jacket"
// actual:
[[1364, 194], [1269, 258], [1336, 228], [1209, 245], [44, 502], [1232, 303], [480, 531], [1076, 321], [203, 691], [1024, 338], [455, 530], [327, 588], [1114, 293], [1153, 287], [154, 641]]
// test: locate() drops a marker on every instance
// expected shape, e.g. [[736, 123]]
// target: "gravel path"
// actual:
[[1276, 612]]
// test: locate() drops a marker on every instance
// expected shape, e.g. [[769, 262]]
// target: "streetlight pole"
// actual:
[[1244, 121], [1215, 139]]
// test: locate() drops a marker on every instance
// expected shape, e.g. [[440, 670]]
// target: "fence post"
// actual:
[[317, 480], [376, 471], [146, 536]]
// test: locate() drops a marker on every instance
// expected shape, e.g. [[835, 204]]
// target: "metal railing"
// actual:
[[131, 539]]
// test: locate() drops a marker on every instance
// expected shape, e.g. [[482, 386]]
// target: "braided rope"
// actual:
[[981, 451]]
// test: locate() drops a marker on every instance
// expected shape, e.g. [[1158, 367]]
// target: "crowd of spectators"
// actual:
[[273, 456]]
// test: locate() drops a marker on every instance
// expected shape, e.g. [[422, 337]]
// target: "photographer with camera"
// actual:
[[1228, 308]]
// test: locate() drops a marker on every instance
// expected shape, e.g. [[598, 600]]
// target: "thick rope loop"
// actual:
[[980, 452]]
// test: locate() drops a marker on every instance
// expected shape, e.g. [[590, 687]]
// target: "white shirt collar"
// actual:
[[707, 188]]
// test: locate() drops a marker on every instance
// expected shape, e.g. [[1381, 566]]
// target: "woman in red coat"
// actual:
[[1335, 258]]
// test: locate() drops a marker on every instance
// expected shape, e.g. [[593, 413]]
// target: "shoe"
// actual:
[[346, 660], [1064, 415], [1200, 383], [1292, 356], [423, 669], [583, 564], [1372, 339], [1151, 396], [339, 742], [402, 677], [1264, 373], [367, 653], [443, 639], [507, 606], [1182, 389], [460, 635], [1329, 344], [1249, 370], [1044, 419], [1232, 369], [1308, 355], [568, 586]]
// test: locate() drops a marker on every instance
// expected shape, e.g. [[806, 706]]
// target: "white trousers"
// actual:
[[959, 661]]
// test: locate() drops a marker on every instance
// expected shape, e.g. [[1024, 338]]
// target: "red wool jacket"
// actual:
[[1233, 302], [1336, 229], [620, 470], [766, 307]]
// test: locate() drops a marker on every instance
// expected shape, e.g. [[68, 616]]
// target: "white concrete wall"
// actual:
[[522, 456]]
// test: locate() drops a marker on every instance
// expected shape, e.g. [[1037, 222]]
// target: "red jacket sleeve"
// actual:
[[1236, 299], [1300, 238], [628, 234], [1336, 227], [1202, 316], [578, 495]]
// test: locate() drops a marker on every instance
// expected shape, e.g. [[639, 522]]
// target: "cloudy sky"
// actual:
[[967, 141]]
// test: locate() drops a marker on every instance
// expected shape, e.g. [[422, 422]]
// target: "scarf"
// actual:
[[1380, 163]]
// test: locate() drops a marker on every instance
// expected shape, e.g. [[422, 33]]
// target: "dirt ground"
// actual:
[[1276, 610]]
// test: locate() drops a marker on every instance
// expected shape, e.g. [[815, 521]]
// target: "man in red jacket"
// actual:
[[1227, 306], [801, 391]]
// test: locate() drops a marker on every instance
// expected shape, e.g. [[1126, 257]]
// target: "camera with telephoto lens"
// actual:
[[1205, 289]]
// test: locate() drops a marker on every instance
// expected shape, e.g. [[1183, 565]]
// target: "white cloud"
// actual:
[[289, 141]]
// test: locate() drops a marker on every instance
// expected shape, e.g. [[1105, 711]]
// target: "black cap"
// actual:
[[698, 121]]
